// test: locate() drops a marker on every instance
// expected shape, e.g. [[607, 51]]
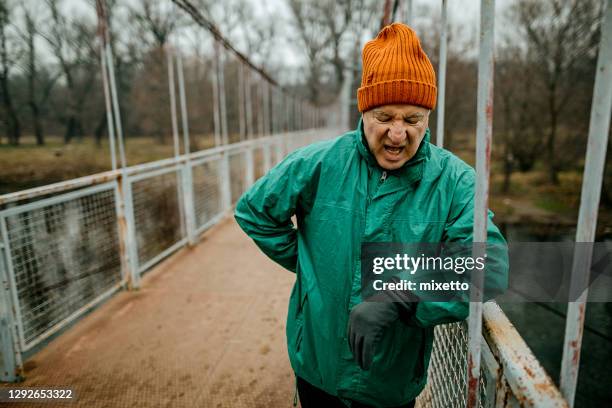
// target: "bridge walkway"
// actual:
[[203, 331]]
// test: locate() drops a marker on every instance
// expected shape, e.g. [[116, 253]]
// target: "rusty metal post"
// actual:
[[441, 80], [249, 105], [109, 113], [286, 106], [183, 105], [172, 91], [127, 232], [599, 127], [484, 136], [273, 118], [295, 112], [267, 160], [115, 100], [259, 103], [186, 171], [102, 27], [266, 106], [175, 134], [123, 196], [216, 86], [11, 364], [222, 100], [249, 165], [241, 112]]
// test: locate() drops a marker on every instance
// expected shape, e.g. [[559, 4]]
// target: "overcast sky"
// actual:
[[464, 13], [461, 13]]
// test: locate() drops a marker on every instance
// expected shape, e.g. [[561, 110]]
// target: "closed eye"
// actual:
[[413, 120]]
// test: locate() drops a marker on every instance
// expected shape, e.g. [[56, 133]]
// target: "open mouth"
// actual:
[[393, 149]]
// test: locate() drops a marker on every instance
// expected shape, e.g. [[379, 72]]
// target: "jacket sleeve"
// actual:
[[459, 229], [264, 212]]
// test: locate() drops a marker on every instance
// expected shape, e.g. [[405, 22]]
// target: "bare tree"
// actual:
[[39, 84], [258, 34], [558, 33], [7, 61], [312, 34], [515, 105], [155, 20], [72, 43], [329, 33], [128, 55]]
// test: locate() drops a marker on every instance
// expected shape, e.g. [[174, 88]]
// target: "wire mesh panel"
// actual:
[[447, 374], [237, 165], [157, 215], [274, 159], [63, 254], [258, 162], [207, 191]]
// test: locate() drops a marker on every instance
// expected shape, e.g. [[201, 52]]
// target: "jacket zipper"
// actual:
[[383, 177]]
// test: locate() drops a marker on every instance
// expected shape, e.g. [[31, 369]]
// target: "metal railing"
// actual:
[[510, 375], [75, 243], [66, 253]]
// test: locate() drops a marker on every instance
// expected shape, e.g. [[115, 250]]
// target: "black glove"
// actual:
[[368, 321]]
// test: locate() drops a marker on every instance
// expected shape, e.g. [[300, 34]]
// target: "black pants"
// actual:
[[313, 397]]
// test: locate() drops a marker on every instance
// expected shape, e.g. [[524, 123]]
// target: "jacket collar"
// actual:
[[411, 171]]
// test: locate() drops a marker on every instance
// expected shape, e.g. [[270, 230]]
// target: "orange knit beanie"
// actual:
[[396, 70]]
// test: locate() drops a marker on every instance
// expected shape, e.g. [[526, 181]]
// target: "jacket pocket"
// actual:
[[299, 321]]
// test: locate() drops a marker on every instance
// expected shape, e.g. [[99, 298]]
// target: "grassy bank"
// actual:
[[29, 165]]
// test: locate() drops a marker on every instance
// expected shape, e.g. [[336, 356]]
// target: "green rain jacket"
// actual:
[[341, 198]]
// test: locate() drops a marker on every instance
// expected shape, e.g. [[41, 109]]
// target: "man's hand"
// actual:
[[367, 323]]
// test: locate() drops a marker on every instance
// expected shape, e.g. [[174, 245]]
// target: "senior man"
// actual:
[[383, 182]]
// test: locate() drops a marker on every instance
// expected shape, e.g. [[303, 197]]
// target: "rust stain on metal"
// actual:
[[472, 384], [545, 387], [527, 380], [123, 234], [575, 345], [60, 186]]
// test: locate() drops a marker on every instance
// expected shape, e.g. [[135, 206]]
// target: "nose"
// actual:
[[397, 133]]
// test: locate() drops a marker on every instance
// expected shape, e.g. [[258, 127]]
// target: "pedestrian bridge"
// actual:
[[136, 287]]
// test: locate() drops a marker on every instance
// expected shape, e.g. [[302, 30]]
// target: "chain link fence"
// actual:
[[447, 373], [158, 214], [207, 191], [61, 255]]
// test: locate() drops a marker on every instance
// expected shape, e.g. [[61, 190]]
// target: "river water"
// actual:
[[542, 326]]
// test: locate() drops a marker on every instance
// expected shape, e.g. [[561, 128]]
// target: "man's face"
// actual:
[[394, 133]]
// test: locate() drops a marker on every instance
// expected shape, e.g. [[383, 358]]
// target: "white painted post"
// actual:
[[599, 128], [484, 136], [442, 79], [186, 169], [248, 162], [222, 99], [216, 86], [11, 365]]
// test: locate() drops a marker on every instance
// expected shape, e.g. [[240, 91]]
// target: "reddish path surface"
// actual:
[[205, 330]]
